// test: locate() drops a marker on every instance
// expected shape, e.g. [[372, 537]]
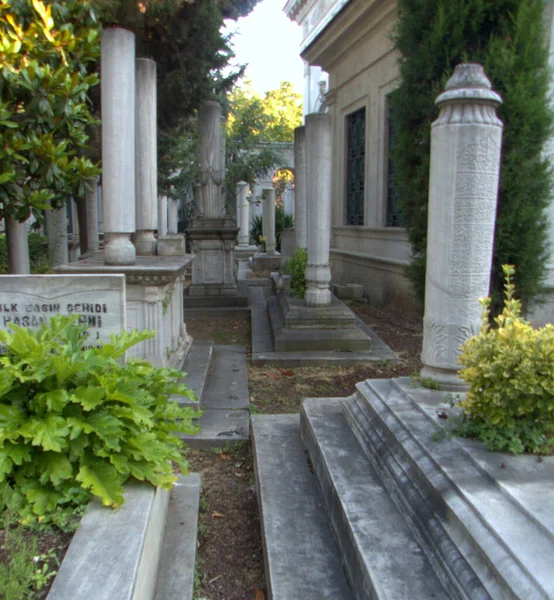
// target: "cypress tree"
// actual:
[[507, 37]]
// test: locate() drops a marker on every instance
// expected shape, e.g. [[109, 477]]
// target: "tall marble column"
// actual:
[[162, 215], [146, 158], [268, 220], [465, 164], [318, 194], [243, 213], [211, 176], [118, 144], [91, 204], [56, 233], [300, 218], [18, 246]]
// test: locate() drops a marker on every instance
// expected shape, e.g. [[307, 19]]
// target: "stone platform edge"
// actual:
[[114, 554]]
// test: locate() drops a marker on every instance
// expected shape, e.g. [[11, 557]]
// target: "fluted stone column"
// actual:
[[463, 189], [211, 176], [146, 159], [118, 144], [268, 220], [56, 233], [91, 204], [300, 218], [243, 213], [162, 215], [318, 193]]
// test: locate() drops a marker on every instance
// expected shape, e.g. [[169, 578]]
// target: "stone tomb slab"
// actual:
[[299, 328], [30, 300]]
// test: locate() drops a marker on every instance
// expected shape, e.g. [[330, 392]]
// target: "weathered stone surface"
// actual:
[[350, 291], [297, 327], [175, 579], [118, 144], [319, 150], [154, 300], [463, 188], [380, 554], [211, 172], [56, 231], [129, 539], [268, 220], [301, 558], [262, 261], [485, 519], [30, 300], [171, 245], [146, 157]]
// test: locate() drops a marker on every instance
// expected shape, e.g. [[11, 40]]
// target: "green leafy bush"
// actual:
[[37, 253], [296, 267], [282, 221], [510, 369], [76, 423]]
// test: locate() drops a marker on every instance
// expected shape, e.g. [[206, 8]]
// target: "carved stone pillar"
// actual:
[[319, 150], [118, 144], [146, 157], [463, 189]]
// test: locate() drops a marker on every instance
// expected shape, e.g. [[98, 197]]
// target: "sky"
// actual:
[[270, 43]]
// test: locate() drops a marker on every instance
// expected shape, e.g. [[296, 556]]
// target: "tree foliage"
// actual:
[[506, 36], [46, 49], [254, 124]]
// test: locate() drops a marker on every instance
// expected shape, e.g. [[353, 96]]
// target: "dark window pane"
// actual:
[[355, 166]]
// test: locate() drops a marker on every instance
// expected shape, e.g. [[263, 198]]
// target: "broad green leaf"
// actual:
[[50, 433], [43, 499], [11, 416], [5, 465], [55, 400], [18, 453], [54, 467], [89, 397], [103, 481]]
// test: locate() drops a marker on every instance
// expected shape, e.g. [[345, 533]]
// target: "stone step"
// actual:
[[239, 300], [301, 557], [217, 312], [114, 554], [175, 579], [196, 367], [381, 556], [485, 520], [226, 400]]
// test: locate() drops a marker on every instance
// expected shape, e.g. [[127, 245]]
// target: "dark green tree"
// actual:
[[507, 37]]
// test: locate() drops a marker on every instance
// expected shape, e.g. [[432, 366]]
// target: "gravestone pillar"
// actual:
[[56, 232], [243, 213], [268, 220], [18, 246], [118, 144], [162, 215], [300, 187], [211, 176], [463, 190], [172, 216], [91, 207], [146, 161], [318, 193]]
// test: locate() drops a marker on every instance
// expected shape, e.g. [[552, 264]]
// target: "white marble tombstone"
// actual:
[[465, 164]]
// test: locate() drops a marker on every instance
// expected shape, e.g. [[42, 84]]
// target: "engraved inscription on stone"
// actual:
[[213, 267], [99, 300], [482, 156]]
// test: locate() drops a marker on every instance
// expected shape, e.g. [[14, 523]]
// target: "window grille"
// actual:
[[395, 216], [355, 167]]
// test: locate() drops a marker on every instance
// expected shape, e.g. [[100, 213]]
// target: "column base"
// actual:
[[447, 379], [145, 243], [119, 250]]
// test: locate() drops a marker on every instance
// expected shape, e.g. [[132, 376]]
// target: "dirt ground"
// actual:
[[230, 556]]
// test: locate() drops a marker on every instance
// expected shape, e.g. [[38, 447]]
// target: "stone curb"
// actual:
[[114, 554]]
